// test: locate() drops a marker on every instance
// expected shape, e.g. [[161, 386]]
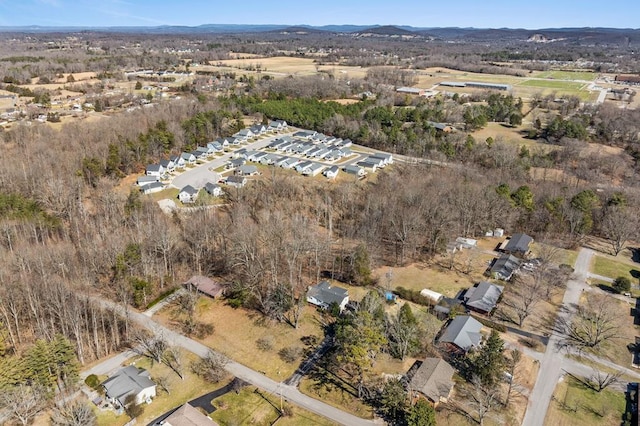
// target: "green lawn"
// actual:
[[567, 75], [576, 404], [553, 84], [169, 193], [614, 269]]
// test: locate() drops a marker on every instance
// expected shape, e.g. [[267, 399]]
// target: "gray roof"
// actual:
[[154, 168], [189, 190], [325, 293], [505, 266], [332, 169], [247, 169], [211, 187], [483, 297], [433, 379], [352, 169], [463, 331], [518, 243], [165, 163], [129, 380], [236, 179]]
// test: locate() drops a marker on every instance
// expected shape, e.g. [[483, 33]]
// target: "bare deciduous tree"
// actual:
[[594, 322], [74, 413], [619, 225], [23, 403]]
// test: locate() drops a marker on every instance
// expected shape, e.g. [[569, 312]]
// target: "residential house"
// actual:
[[461, 334], [188, 158], [203, 152], [484, 297], [233, 141], [247, 170], [258, 129], [257, 157], [277, 125], [378, 161], [235, 163], [354, 170], [322, 153], [280, 161], [188, 194], [179, 162], [146, 180], [432, 380], [129, 381], [154, 170], [215, 145], [331, 172], [152, 187], [204, 285], [504, 267], [441, 127], [372, 167], [270, 159], [291, 163], [239, 153], [187, 415], [312, 152], [304, 134], [313, 170], [169, 165], [302, 166], [236, 181], [213, 189], [244, 135], [200, 155], [324, 295], [385, 157], [518, 245]]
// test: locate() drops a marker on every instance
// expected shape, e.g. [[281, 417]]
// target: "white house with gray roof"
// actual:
[[324, 295], [129, 381]]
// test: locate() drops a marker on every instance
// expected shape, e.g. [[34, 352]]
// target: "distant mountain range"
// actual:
[[449, 33]]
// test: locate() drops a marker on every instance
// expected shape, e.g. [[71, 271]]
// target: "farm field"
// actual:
[[566, 75], [284, 66]]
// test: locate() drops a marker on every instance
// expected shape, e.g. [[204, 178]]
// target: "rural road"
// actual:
[[552, 362], [289, 393]]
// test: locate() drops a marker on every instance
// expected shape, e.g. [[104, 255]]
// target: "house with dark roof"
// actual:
[[235, 163], [146, 180], [331, 172], [504, 267], [129, 381], [188, 415], [484, 297], [188, 157], [188, 194], [169, 165], [153, 187], [354, 170], [154, 170], [236, 181], [324, 295], [204, 285], [431, 380], [518, 245], [461, 334], [247, 170], [213, 189]]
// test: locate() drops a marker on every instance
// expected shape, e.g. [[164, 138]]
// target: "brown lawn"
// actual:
[[237, 330]]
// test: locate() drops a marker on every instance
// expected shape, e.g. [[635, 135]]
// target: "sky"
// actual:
[[417, 13]]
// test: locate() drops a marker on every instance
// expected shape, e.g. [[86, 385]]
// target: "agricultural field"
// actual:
[[284, 66], [566, 75]]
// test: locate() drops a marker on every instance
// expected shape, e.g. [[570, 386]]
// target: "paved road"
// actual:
[[108, 365], [553, 361], [289, 393]]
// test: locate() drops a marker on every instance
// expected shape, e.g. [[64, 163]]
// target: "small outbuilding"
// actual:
[[204, 285]]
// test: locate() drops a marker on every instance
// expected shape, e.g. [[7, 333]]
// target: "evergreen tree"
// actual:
[[488, 364], [421, 414]]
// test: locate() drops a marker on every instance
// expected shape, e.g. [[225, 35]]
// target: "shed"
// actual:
[[432, 295], [204, 285]]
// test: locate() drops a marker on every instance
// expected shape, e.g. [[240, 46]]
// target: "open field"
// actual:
[[335, 396], [237, 330], [553, 84], [284, 66], [509, 135], [577, 405], [611, 268], [563, 255], [566, 75]]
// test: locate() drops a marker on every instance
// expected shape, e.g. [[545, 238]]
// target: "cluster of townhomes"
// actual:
[[154, 173], [308, 153]]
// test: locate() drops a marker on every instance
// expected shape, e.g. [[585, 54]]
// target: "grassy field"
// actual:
[[576, 404], [335, 396], [251, 407], [613, 268], [566, 75], [236, 332], [169, 193], [563, 256], [553, 84]]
